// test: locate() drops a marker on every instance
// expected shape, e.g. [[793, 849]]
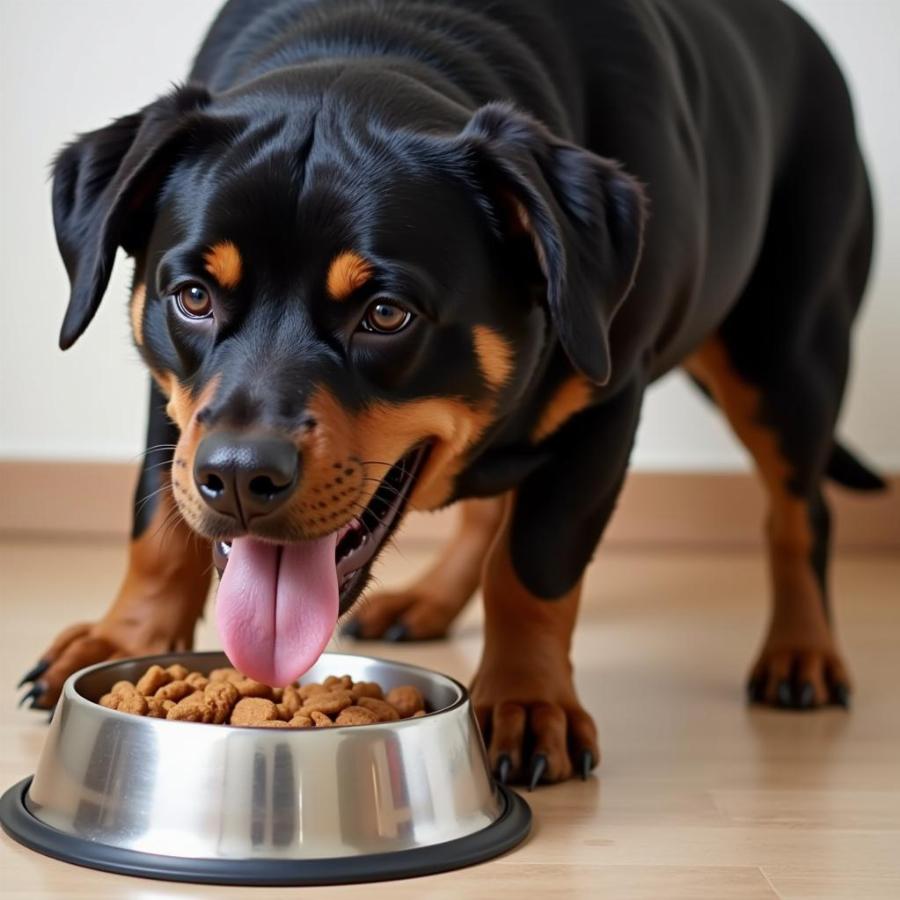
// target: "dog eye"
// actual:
[[385, 316], [193, 301]]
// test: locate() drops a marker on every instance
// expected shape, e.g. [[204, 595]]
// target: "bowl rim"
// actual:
[[73, 697]]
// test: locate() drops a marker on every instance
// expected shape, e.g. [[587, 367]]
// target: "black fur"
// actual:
[[685, 167]]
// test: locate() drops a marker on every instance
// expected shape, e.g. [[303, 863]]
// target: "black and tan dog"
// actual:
[[398, 253]]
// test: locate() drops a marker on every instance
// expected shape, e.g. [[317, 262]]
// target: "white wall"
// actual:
[[67, 66]]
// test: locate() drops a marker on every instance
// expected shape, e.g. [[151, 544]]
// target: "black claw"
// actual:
[[840, 695], [34, 672], [397, 633], [352, 629], [538, 767], [806, 696], [504, 764], [756, 690], [587, 763], [785, 696], [34, 693]]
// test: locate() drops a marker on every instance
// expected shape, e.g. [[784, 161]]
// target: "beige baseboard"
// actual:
[[657, 509]]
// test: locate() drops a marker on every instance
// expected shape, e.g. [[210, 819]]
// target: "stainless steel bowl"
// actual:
[[223, 804]]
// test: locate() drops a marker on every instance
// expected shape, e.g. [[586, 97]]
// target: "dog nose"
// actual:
[[246, 476]]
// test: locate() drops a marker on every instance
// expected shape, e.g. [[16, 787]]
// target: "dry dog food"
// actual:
[[227, 697]]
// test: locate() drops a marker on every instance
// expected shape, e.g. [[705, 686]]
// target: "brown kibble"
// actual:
[[174, 690], [330, 703], [247, 687], [197, 680], [307, 690], [291, 699], [135, 703], [252, 710], [178, 672], [152, 680], [221, 697], [125, 698], [225, 674], [157, 709], [356, 715], [224, 691], [228, 696], [382, 710], [366, 689], [192, 708], [186, 713], [406, 699]]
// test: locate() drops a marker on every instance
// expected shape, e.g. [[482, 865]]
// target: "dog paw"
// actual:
[[534, 736], [410, 615], [83, 645], [799, 678]]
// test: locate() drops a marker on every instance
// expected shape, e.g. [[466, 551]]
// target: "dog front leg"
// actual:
[[524, 691], [165, 585]]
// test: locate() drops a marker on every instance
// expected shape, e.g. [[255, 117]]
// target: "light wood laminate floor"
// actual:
[[697, 797]]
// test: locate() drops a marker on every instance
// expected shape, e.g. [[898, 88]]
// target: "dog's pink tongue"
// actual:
[[277, 606]]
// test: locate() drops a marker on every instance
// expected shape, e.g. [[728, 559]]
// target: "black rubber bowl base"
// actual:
[[506, 832]]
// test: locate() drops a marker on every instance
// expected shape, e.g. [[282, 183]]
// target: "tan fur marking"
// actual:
[[182, 409], [495, 356], [138, 302], [347, 274], [181, 404], [165, 382], [798, 621], [572, 396], [740, 402], [385, 431], [224, 263]]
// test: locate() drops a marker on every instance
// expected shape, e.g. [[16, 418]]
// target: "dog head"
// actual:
[[342, 284]]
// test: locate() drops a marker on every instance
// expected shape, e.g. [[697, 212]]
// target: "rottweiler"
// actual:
[[393, 254]]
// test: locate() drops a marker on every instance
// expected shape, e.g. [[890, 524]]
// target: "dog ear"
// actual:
[[104, 191], [584, 215]]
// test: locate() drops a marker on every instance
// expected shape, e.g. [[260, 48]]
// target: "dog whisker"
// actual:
[[152, 496]]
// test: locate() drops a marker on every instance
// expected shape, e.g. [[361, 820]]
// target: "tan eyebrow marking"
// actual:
[[223, 262], [348, 273], [495, 356]]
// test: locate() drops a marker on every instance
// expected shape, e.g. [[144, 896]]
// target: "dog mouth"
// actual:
[[359, 541], [277, 604]]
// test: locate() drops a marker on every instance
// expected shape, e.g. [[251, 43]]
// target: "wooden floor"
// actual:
[[698, 797]]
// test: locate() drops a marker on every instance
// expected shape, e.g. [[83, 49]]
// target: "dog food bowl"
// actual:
[[220, 804]]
